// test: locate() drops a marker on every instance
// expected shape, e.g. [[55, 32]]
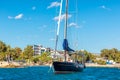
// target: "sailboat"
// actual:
[[66, 66]]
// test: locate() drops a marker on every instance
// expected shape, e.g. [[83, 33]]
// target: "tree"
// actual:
[[18, 52], [111, 54], [28, 52], [44, 57], [117, 57], [3, 47], [2, 56], [88, 56], [9, 53], [104, 53]]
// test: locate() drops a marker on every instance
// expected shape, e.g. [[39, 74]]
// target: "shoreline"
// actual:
[[4, 64], [98, 65]]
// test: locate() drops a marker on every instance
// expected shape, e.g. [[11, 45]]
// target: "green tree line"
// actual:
[[16, 54], [111, 54], [7, 53]]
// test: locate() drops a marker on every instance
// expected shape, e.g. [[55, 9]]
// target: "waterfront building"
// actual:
[[39, 49]]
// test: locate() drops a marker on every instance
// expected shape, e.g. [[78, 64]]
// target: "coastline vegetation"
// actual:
[[17, 54]]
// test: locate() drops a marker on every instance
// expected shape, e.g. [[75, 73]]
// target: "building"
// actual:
[[57, 54], [39, 49]]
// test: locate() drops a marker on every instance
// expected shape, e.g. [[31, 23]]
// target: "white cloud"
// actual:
[[62, 17], [33, 8], [53, 4], [73, 25], [104, 7], [10, 17], [19, 16]]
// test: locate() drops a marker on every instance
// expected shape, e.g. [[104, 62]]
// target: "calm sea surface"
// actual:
[[43, 73]]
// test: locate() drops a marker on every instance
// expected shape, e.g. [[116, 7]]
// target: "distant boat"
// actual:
[[65, 66]]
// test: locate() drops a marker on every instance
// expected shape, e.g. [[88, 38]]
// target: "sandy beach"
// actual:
[[4, 64], [98, 65]]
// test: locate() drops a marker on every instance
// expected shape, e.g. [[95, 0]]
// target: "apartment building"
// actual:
[[39, 49]]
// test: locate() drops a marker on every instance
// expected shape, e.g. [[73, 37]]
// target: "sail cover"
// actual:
[[65, 46]]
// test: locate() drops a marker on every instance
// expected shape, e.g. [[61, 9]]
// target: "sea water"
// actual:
[[46, 73]]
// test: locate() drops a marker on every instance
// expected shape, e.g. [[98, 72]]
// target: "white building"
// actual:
[[56, 54], [39, 49]]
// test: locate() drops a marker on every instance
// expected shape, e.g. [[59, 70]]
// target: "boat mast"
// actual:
[[66, 23], [58, 27]]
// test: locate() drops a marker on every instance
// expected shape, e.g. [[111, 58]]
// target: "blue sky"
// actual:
[[93, 25]]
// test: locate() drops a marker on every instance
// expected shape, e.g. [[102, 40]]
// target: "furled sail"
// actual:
[[65, 46]]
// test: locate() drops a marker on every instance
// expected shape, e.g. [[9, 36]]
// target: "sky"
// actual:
[[93, 25]]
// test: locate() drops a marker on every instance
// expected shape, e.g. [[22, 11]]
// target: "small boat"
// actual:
[[66, 66]]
